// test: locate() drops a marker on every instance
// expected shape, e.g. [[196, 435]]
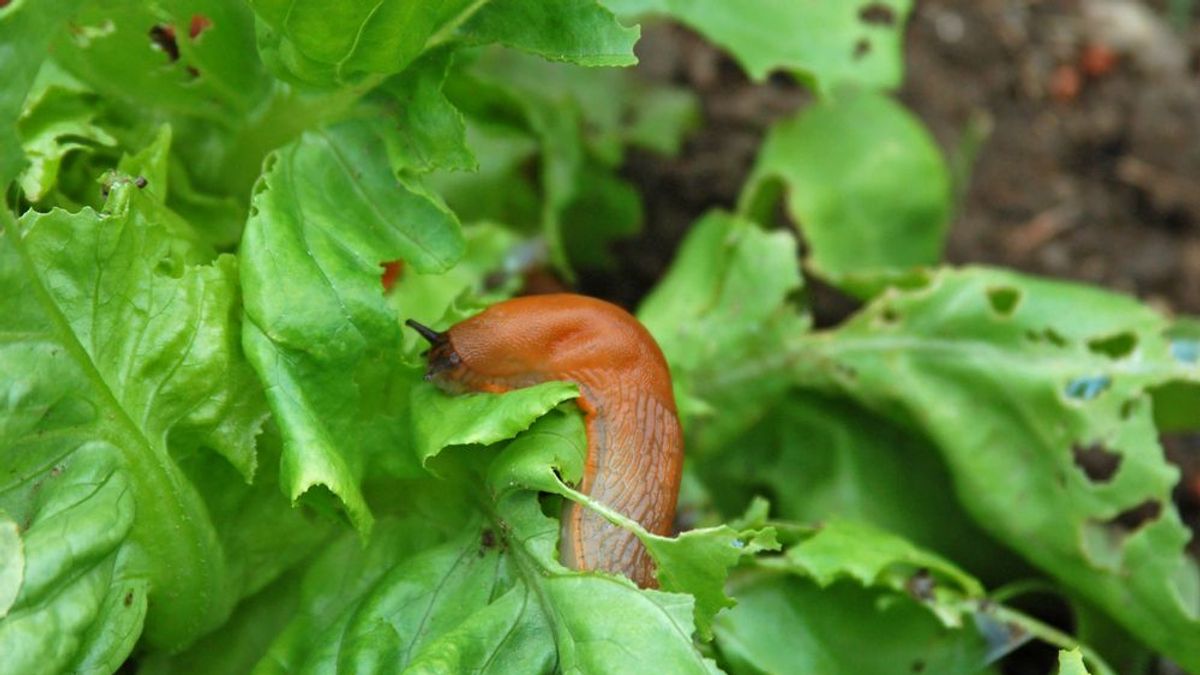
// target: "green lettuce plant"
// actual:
[[218, 453]]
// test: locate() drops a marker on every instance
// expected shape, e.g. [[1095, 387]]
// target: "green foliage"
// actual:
[[865, 182], [219, 454], [829, 43]]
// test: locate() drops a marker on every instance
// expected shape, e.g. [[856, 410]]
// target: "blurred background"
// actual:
[[1072, 126]]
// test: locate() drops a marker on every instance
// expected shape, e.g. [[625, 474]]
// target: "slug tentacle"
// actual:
[[435, 338], [635, 444]]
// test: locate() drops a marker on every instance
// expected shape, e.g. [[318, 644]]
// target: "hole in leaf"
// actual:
[[198, 25], [918, 666], [1003, 300], [1135, 518], [862, 48], [1087, 388], [128, 598], [1187, 351], [1097, 462], [1048, 335], [162, 36], [889, 315], [920, 585], [877, 14], [1114, 346]]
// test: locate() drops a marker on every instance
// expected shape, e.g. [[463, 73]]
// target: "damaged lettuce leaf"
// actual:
[[828, 44], [1044, 416], [866, 185], [1039, 398]]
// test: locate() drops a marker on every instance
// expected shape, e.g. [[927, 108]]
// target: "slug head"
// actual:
[[444, 363]]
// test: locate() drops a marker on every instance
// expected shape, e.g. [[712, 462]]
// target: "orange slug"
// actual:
[[635, 444]]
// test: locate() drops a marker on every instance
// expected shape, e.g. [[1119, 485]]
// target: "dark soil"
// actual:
[[1084, 130], [1091, 170], [1075, 124]]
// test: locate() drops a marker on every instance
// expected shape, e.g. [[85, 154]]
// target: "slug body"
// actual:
[[635, 444]]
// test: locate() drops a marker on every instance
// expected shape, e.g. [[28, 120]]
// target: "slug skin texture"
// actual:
[[635, 444]]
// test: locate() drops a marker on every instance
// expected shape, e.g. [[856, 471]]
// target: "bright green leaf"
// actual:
[[328, 212], [843, 549], [865, 183], [578, 31], [1070, 662], [145, 56], [722, 306], [59, 118], [827, 42], [116, 354], [440, 420], [12, 563], [26, 28]]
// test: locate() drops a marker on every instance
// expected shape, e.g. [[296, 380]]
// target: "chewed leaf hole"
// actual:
[[920, 585], [1187, 351], [1087, 388], [1114, 346], [877, 14], [1003, 299], [862, 48], [1137, 517], [1097, 462], [162, 36], [1046, 335]]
